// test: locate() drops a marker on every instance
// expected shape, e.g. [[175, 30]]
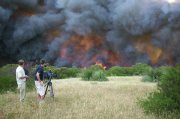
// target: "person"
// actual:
[[21, 79], [39, 74]]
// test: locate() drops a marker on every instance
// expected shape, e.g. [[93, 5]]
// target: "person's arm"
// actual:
[[21, 75], [38, 76]]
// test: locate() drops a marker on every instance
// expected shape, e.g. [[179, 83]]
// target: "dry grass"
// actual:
[[76, 99]]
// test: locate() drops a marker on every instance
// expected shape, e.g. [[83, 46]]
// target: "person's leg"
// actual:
[[42, 97], [24, 90], [40, 91], [37, 90], [38, 97], [21, 88]]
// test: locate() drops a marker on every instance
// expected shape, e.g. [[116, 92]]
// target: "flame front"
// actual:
[[86, 50], [143, 44]]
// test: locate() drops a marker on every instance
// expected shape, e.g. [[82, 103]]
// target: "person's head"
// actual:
[[42, 61], [21, 62]]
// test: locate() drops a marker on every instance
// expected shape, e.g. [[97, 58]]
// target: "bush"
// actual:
[[99, 76], [93, 73], [7, 83], [64, 72], [7, 78], [140, 69], [167, 98], [120, 71], [158, 104], [86, 74], [154, 74], [137, 69], [52, 68]]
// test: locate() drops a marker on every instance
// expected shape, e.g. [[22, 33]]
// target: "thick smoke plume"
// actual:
[[81, 32]]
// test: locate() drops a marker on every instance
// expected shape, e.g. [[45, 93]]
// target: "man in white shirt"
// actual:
[[21, 79]]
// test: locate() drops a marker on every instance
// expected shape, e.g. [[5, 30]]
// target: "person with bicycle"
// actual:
[[39, 74]]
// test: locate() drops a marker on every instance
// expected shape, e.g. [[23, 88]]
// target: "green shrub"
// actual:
[[158, 104], [167, 98], [140, 69], [93, 73], [7, 83], [74, 72], [148, 78], [99, 75], [64, 72], [137, 69], [7, 78], [8, 70], [86, 74], [120, 71], [52, 68], [154, 74]]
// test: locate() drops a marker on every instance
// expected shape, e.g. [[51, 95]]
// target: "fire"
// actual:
[[100, 64], [23, 12], [86, 50], [51, 34], [143, 44]]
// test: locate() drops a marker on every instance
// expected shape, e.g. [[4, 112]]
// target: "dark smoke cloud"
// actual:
[[119, 22], [84, 17], [138, 17], [20, 3], [53, 48], [5, 14], [29, 27]]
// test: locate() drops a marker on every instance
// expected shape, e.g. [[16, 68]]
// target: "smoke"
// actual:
[[13, 4], [79, 32]]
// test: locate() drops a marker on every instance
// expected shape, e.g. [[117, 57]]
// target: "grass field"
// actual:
[[76, 99]]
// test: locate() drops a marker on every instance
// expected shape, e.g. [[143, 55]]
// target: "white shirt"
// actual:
[[20, 73]]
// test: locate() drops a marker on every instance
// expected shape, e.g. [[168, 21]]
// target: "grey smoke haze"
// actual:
[[5, 14], [20, 3], [43, 28]]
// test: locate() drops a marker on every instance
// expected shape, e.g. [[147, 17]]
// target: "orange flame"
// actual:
[[83, 45], [100, 64], [143, 44], [22, 12], [51, 34]]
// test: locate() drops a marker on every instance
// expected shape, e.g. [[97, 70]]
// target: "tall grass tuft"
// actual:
[[93, 73]]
